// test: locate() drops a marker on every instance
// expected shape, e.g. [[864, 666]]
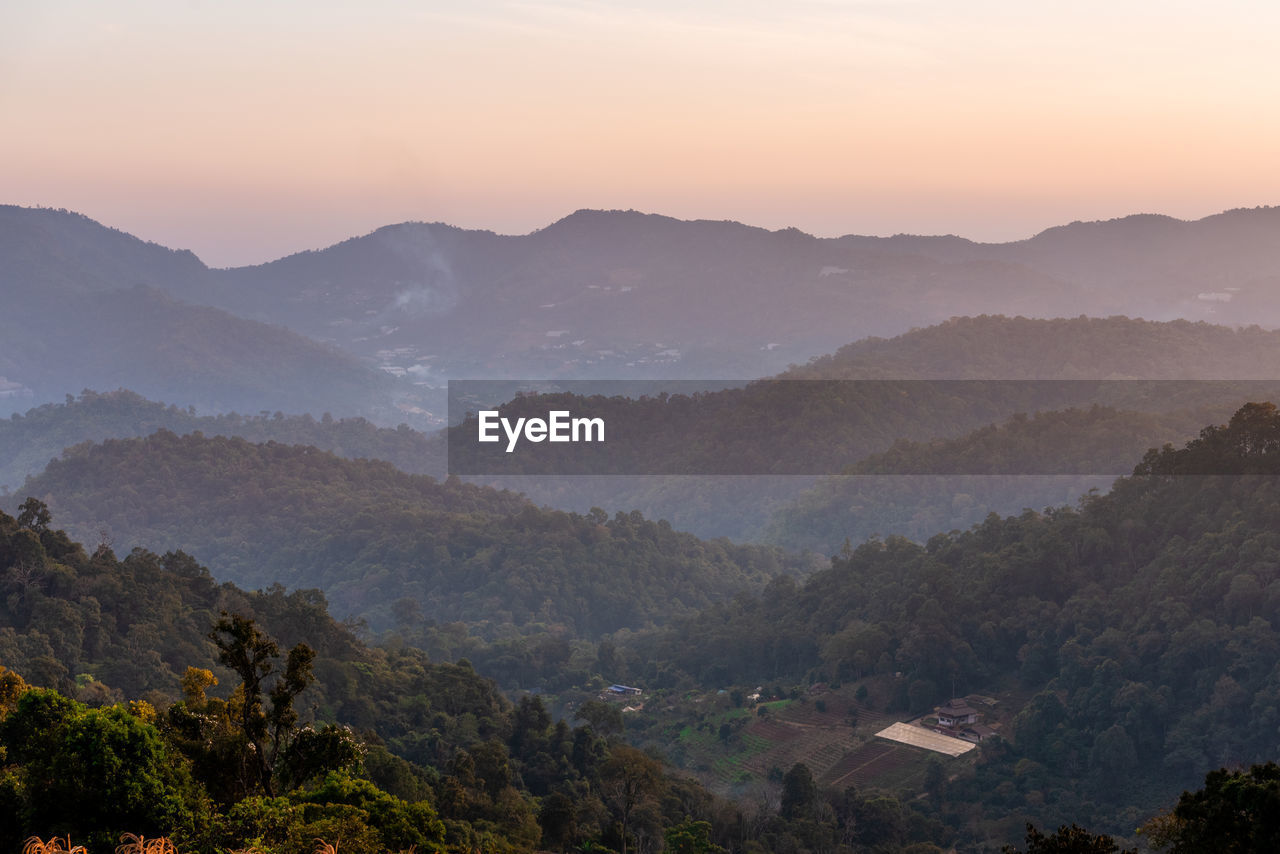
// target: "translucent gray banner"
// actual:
[[822, 427]]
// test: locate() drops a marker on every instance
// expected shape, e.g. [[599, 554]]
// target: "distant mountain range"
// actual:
[[90, 307], [967, 348], [741, 507], [622, 294], [28, 442], [367, 326]]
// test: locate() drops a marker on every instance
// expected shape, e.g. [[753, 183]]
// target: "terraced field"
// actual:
[[815, 730], [863, 766], [818, 747], [817, 734]]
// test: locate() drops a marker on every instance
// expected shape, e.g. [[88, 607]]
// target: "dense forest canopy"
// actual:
[[173, 705], [392, 547], [917, 489], [1130, 638], [1141, 627], [30, 440], [1076, 348]]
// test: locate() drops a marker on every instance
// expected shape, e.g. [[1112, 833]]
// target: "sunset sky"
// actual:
[[248, 130]]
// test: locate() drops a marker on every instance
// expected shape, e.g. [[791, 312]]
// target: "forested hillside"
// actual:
[[1141, 627], [388, 546], [918, 489], [172, 705], [1199, 370], [998, 347], [1135, 636], [603, 294], [29, 441]]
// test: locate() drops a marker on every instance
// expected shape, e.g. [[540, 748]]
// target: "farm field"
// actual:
[[831, 732]]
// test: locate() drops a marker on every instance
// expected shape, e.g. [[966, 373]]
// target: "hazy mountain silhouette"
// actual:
[[1078, 348], [967, 348], [90, 307], [596, 294], [620, 293]]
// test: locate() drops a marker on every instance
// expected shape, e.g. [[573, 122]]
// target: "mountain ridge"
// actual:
[[613, 294]]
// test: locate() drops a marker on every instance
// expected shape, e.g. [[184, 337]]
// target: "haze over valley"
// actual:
[[371, 326], [639, 428]]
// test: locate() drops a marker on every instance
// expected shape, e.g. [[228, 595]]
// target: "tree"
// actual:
[[12, 687], [799, 793], [529, 725], [603, 717], [94, 773], [691, 837], [312, 753], [628, 779], [248, 651], [1235, 811], [878, 822], [34, 515], [935, 780], [558, 821], [1113, 757], [1068, 840], [399, 825]]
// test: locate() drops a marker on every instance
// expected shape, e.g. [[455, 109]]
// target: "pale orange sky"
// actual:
[[245, 131]]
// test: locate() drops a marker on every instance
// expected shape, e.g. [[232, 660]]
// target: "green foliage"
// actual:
[[94, 773], [1069, 840], [799, 793], [372, 536], [691, 837], [397, 823], [312, 752], [448, 762], [1235, 810], [28, 441], [1047, 459], [249, 653], [631, 783], [1248, 444], [1142, 624], [603, 717]]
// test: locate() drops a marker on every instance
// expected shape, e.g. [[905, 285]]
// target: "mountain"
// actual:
[[1219, 267], [913, 489], [621, 293], [127, 702], [1127, 644], [53, 256], [738, 507], [29, 441], [1078, 348], [825, 428], [603, 294], [91, 307], [388, 546]]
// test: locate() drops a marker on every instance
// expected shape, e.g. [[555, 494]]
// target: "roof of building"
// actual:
[[929, 740], [957, 708]]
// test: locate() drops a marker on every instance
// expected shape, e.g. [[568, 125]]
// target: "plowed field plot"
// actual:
[[815, 746], [864, 765], [815, 731]]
